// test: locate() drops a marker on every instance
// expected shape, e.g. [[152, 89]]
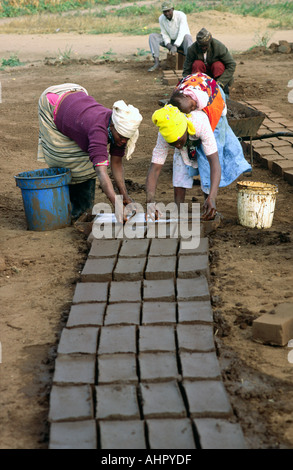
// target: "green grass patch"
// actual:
[[12, 61], [108, 56], [142, 52], [281, 13], [64, 55], [12, 8], [124, 18]]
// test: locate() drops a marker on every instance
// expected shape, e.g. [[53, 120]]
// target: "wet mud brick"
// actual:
[[71, 403], [275, 126], [170, 434], [162, 400], [201, 248], [207, 398], [288, 176], [117, 402], [116, 368], [128, 291], [104, 248], [158, 312], [123, 313], [280, 144], [262, 145], [160, 290], [275, 329], [122, 434], [78, 340], [117, 339], [286, 152], [200, 366], [90, 292], [86, 315], [267, 151], [219, 434], [73, 435], [161, 230], [75, 369], [195, 338], [97, 270], [129, 269], [192, 266], [156, 339], [193, 289], [195, 311], [281, 166], [161, 267], [158, 366], [163, 247], [135, 248], [268, 160]]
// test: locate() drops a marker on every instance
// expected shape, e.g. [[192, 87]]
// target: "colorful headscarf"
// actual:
[[172, 123], [205, 91], [126, 120], [200, 96]]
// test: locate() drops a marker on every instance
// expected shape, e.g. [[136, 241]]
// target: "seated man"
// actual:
[[208, 55], [175, 34]]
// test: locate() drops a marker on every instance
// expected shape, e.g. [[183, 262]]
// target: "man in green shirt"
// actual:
[[210, 56]]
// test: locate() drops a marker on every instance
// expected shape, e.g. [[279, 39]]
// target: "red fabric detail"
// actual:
[[217, 69], [198, 66], [214, 70]]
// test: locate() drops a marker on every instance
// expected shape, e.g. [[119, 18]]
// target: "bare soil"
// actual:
[[251, 269]]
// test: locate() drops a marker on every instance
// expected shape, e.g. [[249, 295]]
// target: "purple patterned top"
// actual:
[[85, 121]]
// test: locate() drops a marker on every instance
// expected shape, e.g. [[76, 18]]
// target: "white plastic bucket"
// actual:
[[256, 203]]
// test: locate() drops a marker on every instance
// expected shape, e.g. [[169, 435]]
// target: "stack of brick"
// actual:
[[171, 77], [274, 153]]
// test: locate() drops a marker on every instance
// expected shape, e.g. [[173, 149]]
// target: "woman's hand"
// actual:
[[131, 206], [120, 213], [153, 212], [131, 209], [209, 209]]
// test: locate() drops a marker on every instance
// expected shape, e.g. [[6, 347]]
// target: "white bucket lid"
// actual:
[[257, 186]]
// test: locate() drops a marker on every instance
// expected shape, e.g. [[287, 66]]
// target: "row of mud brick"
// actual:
[[136, 364], [274, 153]]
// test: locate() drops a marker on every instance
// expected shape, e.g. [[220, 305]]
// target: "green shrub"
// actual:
[[12, 61]]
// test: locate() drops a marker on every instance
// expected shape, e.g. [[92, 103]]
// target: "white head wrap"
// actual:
[[126, 120]]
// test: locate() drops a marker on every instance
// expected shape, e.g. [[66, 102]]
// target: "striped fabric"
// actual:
[[56, 149]]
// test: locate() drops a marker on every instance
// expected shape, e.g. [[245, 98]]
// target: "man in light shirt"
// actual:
[[175, 34]]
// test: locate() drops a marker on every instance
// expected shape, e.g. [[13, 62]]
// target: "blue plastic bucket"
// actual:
[[45, 195]]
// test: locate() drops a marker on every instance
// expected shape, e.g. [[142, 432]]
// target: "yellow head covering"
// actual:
[[172, 123]]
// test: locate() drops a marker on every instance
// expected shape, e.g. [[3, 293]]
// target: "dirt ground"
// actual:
[[251, 270]]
